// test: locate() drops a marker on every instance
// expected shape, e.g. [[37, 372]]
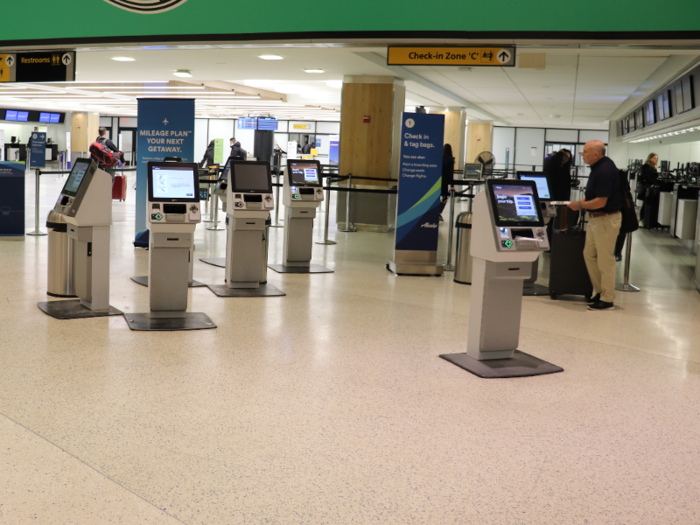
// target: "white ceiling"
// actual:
[[579, 87]]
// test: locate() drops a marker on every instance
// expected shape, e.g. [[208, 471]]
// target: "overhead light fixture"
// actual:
[[123, 59], [185, 73], [271, 57], [314, 71]]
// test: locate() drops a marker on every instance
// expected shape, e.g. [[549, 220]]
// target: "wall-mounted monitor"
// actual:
[[11, 115], [639, 118], [515, 203], [247, 123], [173, 182], [304, 172], [267, 123], [649, 113], [663, 105], [22, 116], [688, 98], [250, 177], [55, 118], [77, 175], [45, 117], [540, 180], [678, 98]]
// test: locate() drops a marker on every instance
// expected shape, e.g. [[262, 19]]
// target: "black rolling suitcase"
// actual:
[[650, 218], [567, 269]]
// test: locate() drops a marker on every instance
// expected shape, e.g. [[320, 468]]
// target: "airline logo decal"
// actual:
[[146, 7]]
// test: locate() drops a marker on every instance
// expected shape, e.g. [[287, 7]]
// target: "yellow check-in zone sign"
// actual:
[[4, 69], [451, 56]]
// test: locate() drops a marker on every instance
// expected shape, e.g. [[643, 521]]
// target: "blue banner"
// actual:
[[38, 152], [11, 199], [165, 129], [420, 174]]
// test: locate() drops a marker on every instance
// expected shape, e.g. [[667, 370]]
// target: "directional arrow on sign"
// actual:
[[503, 56], [10, 60], [66, 59]]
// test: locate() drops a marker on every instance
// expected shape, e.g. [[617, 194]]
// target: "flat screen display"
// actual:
[[515, 203], [248, 123], [226, 171], [304, 172], [11, 115], [55, 118], [22, 116], [267, 123], [649, 113], [540, 180], [44, 117], [75, 179], [173, 182], [250, 177]]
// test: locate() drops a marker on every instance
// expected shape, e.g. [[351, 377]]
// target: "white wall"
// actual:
[[201, 138], [529, 148], [503, 138]]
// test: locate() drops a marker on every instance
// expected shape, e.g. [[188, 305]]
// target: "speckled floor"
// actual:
[[331, 405]]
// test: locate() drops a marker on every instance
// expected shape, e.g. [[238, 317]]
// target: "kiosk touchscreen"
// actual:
[[86, 205], [249, 201], [508, 235], [173, 212], [303, 193]]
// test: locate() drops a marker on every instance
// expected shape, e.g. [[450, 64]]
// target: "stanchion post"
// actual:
[[37, 232], [328, 213], [449, 267], [348, 227], [277, 202], [215, 212], [626, 286]]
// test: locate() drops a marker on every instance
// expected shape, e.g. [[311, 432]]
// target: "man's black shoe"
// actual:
[[601, 306], [594, 299]]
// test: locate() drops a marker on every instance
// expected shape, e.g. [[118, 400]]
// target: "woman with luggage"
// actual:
[[647, 178]]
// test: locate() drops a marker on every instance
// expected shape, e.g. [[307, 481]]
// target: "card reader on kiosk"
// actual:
[[508, 235], [86, 204], [248, 188], [303, 193], [173, 212]]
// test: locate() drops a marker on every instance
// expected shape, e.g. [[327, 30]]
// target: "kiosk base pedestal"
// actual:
[[191, 321], [143, 281], [534, 289], [215, 261], [264, 290], [520, 365], [74, 310], [312, 268]]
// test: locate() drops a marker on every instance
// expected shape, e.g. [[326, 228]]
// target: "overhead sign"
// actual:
[[301, 126], [54, 66], [498, 56]]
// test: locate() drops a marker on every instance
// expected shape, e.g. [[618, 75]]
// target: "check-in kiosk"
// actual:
[[508, 234], [86, 204], [303, 193], [549, 211], [173, 212], [248, 203]]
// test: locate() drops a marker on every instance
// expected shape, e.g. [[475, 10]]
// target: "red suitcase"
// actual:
[[119, 188]]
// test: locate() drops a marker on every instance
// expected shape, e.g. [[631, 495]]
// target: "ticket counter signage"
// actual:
[[498, 56]]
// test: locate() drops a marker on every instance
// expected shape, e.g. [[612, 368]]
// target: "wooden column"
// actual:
[[455, 133], [84, 131], [479, 138]]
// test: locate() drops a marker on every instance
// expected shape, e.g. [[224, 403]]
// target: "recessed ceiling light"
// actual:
[[271, 57], [183, 73], [314, 71], [123, 59]]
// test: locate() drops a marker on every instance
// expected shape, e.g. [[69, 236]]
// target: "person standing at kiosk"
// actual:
[[603, 200]]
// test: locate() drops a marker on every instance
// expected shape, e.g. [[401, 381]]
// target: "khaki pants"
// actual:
[[599, 254]]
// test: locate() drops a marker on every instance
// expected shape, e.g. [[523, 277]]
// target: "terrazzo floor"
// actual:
[[331, 405]]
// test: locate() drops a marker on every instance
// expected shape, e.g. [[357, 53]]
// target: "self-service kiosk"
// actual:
[[86, 204], [508, 234], [248, 201], [549, 211], [173, 212], [303, 193]]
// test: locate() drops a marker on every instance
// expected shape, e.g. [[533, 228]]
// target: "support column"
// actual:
[[479, 138], [84, 131], [370, 149]]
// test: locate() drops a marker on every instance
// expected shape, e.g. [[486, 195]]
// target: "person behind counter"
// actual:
[[448, 176], [647, 178]]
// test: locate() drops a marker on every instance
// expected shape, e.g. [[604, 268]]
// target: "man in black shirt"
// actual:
[[603, 201]]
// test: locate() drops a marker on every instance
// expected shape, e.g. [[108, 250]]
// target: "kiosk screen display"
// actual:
[[251, 177], [227, 169], [515, 203], [173, 182], [304, 172], [540, 180], [76, 177]]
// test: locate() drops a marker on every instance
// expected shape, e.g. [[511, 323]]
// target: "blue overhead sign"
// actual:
[[420, 175]]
